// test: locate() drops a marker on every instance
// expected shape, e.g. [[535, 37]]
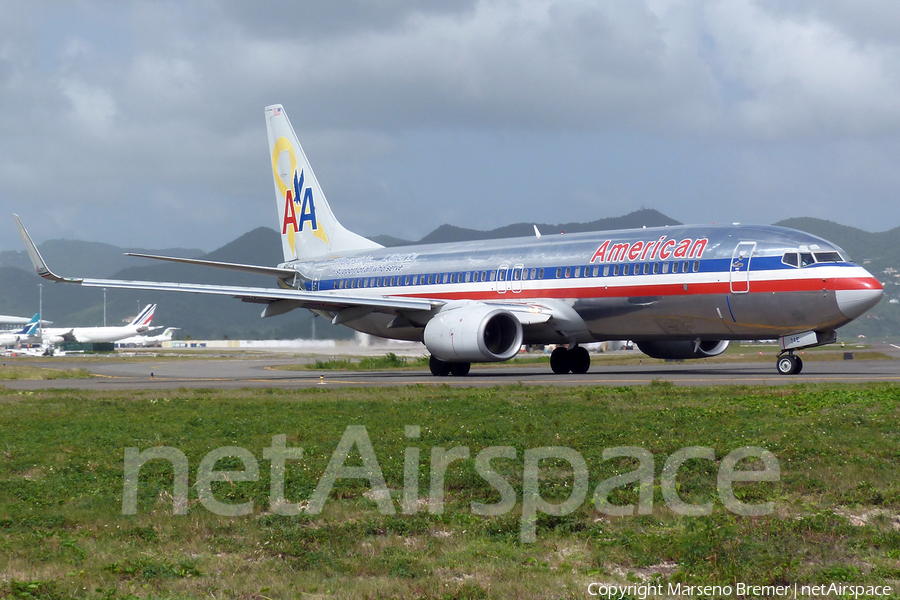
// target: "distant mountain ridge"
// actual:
[[879, 253], [860, 244], [94, 259], [451, 233], [218, 317]]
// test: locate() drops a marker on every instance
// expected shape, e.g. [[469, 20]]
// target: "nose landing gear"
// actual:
[[788, 364]]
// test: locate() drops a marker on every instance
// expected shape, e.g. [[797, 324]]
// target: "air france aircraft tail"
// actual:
[[308, 227], [145, 316]]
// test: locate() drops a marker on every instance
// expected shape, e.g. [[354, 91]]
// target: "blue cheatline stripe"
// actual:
[[715, 265], [728, 302]]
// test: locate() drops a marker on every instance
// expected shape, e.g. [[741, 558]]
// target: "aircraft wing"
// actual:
[[279, 300], [255, 269]]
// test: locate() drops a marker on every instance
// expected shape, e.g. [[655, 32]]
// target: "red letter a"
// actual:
[[290, 217]]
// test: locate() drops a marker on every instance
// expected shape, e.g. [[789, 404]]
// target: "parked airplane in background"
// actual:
[[143, 341], [29, 334], [678, 292], [84, 335], [7, 320]]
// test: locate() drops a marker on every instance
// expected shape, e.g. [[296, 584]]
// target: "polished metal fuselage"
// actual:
[[692, 282]]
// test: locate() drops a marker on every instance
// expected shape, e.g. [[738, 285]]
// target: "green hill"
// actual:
[[92, 259], [451, 233], [197, 316]]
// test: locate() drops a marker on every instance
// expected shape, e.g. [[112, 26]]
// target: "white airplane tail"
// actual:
[[145, 316], [308, 227]]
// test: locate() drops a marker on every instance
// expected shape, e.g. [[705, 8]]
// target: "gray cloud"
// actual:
[[312, 20], [141, 122]]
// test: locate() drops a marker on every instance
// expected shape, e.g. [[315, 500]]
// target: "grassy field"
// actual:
[[368, 363], [19, 371], [63, 534]]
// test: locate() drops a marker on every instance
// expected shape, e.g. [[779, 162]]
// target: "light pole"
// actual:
[[104, 307]]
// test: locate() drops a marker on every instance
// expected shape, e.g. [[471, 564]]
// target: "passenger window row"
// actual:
[[517, 274], [654, 268]]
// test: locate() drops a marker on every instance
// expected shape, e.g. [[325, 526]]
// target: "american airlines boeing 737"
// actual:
[[679, 292]]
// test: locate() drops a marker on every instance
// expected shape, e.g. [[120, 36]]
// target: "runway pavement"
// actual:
[[260, 372]]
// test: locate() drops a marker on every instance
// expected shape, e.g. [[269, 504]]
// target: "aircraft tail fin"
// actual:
[[31, 327], [145, 315], [308, 227]]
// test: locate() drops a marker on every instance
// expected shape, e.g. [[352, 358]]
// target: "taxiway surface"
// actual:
[[264, 372]]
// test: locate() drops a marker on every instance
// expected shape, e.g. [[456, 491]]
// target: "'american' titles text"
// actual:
[[661, 249]]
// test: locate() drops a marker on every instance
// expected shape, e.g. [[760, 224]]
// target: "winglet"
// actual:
[[37, 260]]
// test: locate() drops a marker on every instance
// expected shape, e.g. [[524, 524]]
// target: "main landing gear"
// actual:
[[788, 364], [570, 360], [442, 368]]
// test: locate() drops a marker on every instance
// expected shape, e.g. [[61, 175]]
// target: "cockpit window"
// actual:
[[791, 258], [805, 259], [828, 257]]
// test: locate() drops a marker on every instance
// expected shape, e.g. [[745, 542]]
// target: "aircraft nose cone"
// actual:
[[859, 297]]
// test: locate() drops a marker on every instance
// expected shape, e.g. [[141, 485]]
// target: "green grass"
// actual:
[[12, 373], [63, 534], [369, 363]]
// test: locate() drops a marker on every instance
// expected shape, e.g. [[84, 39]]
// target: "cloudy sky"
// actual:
[[141, 123]]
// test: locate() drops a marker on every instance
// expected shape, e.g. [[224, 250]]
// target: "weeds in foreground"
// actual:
[[370, 363], [63, 534], [16, 373]]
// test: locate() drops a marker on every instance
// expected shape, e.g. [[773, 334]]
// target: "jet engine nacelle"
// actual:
[[473, 332], [682, 349]]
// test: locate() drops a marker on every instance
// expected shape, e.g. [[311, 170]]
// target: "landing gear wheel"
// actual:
[[460, 369], [559, 361], [439, 368], [789, 364], [579, 360]]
